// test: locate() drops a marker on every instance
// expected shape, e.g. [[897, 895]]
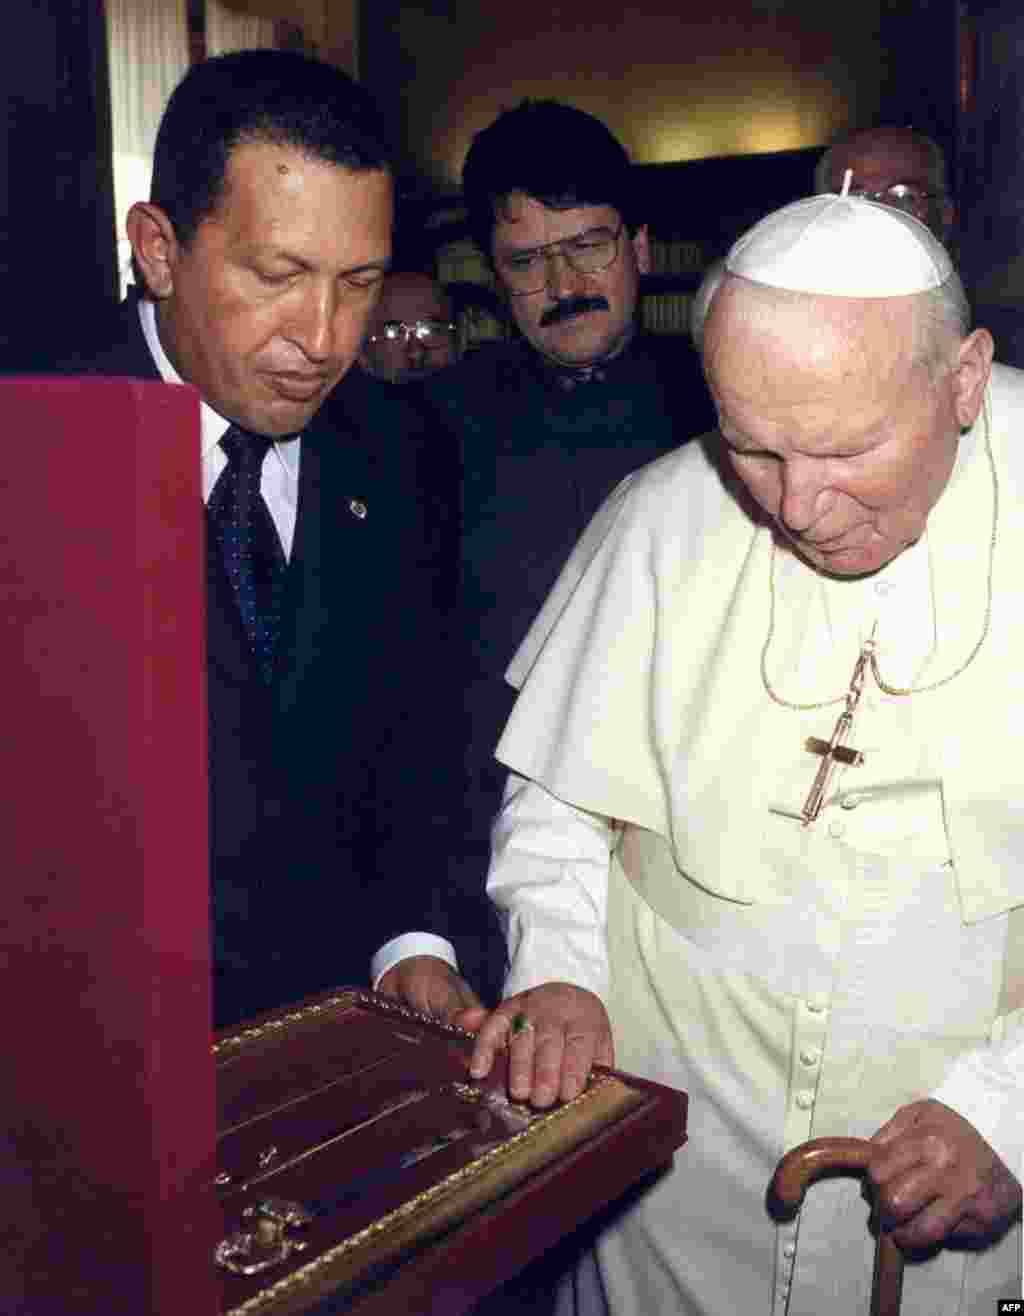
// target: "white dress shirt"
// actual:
[[279, 478]]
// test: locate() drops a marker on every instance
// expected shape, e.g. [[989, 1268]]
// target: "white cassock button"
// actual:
[[805, 1099], [810, 1056], [817, 1004], [789, 1251]]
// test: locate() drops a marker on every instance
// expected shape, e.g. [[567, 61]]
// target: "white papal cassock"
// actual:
[[797, 982]]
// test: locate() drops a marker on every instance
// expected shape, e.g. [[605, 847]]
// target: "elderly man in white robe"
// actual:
[[765, 819]]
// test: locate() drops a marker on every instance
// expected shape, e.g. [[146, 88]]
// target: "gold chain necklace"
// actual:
[[868, 655], [835, 750]]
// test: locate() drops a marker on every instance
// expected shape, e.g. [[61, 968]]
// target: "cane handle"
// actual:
[[807, 1163]]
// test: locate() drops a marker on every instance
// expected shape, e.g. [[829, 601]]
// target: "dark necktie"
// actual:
[[568, 379], [248, 541]]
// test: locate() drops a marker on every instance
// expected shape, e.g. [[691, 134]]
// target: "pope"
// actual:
[[762, 837]]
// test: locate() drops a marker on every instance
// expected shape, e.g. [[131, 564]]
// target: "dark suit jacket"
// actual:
[[538, 459], [333, 791]]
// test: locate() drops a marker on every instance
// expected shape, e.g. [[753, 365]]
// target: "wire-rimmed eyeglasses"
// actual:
[[428, 334], [904, 196], [525, 271]]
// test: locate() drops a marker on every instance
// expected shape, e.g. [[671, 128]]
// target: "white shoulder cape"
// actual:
[[640, 690]]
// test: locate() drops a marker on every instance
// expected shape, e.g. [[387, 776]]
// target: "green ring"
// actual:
[[520, 1024]]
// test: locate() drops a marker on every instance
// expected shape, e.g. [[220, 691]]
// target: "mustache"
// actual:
[[569, 307]]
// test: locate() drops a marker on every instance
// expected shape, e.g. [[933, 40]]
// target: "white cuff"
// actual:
[[549, 878], [407, 945], [985, 1087]]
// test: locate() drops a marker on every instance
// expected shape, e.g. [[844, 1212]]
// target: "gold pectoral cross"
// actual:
[[836, 750]]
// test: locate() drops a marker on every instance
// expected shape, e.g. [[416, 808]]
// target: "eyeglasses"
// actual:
[[429, 334], [524, 272], [904, 196]]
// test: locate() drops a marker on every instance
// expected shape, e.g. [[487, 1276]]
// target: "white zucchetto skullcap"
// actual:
[[841, 246]]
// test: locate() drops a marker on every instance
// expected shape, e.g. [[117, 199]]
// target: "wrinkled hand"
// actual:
[[561, 1031], [429, 985], [939, 1181]]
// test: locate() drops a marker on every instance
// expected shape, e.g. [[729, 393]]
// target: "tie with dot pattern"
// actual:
[[250, 548]]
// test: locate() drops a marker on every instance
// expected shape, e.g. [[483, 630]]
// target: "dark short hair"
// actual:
[[272, 96], [552, 152]]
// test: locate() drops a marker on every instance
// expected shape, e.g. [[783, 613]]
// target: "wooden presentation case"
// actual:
[[115, 1110], [106, 1142], [425, 1189]]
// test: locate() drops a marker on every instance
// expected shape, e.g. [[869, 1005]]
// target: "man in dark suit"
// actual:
[[260, 257], [550, 423]]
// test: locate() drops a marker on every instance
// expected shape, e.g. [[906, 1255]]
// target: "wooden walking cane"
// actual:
[[807, 1163]]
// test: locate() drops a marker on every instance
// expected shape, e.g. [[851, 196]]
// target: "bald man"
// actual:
[[762, 839], [412, 333], [896, 167]]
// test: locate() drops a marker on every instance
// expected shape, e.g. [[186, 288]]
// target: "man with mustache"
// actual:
[[259, 259], [763, 825], [549, 424]]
